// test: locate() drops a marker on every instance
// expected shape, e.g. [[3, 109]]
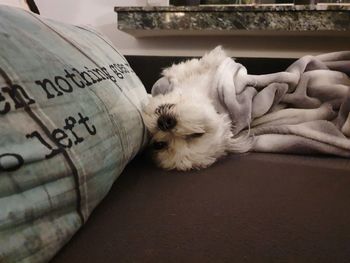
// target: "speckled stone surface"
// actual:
[[236, 18]]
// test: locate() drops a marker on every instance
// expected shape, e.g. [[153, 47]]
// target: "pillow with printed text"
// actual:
[[69, 123]]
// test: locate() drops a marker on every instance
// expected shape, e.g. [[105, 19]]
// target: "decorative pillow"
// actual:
[[69, 123]]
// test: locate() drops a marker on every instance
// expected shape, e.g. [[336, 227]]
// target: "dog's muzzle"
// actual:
[[166, 122]]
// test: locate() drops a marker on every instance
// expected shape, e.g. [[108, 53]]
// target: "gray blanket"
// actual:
[[304, 109]]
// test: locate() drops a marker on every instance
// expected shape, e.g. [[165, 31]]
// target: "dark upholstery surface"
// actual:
[[249, 208]]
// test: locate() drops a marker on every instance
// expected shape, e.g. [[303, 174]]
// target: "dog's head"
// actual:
[[189, 130], [186, 130]]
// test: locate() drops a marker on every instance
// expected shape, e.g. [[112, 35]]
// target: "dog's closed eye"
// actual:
[[195, 135], [159, 145]]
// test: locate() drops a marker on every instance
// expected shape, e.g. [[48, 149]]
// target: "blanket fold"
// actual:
[[304, 109]]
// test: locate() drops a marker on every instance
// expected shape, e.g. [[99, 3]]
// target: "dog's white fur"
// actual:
[[202, 132]]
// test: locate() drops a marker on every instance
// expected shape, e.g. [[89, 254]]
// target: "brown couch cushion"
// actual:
[[249, 208]]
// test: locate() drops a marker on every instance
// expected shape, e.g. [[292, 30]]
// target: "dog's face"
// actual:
[[187, 132]]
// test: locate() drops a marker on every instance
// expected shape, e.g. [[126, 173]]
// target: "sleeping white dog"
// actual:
[[189, 128], [204, 108]]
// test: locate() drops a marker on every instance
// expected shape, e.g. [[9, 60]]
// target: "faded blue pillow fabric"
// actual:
[[69, 123]]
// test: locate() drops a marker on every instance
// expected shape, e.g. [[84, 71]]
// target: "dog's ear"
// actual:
[[162, 86]]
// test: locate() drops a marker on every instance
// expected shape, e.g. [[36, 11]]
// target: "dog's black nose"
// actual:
[[166, 122]]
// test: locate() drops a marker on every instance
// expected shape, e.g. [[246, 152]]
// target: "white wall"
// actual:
[[16, 3], [100, 14]]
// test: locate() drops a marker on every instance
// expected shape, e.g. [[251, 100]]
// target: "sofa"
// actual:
[[252, 208], [77, 183], [255, 207]]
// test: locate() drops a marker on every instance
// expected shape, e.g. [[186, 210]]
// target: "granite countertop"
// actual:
[[233, 8], [234, 19]]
